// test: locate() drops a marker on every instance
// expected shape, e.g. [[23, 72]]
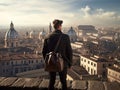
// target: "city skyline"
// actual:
[[73, 12]]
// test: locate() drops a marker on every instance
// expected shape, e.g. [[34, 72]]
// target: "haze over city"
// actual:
[[73, 12]]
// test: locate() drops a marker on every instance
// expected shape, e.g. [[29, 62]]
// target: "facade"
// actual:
[[113, 73], [95, 65], [86, 29], [11, 64], [11, 37], [87, 32]]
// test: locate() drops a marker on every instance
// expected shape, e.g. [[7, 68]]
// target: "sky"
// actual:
[[72, 12]]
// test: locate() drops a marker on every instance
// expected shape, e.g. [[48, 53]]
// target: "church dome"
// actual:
[[72, 34], [11, 33]]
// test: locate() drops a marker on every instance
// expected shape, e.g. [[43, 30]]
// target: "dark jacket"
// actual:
[[64, 47]]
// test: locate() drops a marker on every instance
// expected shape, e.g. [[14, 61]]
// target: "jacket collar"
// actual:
[[57, 31]]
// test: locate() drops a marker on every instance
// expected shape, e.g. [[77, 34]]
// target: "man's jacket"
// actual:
[[64, 47]]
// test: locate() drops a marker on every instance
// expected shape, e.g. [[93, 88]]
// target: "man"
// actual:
[[64, 49]]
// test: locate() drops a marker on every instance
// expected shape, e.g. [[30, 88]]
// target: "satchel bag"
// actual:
[[54, 61]]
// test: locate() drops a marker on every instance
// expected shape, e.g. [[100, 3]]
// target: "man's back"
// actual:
[[64, 47]]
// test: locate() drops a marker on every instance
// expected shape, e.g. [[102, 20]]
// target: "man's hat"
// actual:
[[57, 22]]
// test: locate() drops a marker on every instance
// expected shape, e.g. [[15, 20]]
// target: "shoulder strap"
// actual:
[[58, 43]]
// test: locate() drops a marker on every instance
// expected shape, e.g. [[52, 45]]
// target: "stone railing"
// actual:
[[15, 83]]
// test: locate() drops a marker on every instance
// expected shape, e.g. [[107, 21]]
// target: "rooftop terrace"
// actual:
[[14, 83]]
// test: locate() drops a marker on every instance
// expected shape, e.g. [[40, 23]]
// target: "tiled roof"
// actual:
[[19, 56]]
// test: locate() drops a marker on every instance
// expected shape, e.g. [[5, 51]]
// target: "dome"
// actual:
[[71, 32], [11, 33]]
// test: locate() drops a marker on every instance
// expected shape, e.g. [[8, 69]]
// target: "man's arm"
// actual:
[[45, 48], [69, 53]]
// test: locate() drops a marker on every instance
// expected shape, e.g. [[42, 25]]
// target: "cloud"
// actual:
[[99, 16], [41, 12], [86, 11]]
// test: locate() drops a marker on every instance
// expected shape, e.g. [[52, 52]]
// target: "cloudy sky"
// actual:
[[72, 12]]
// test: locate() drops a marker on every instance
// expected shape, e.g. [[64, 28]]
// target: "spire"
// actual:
[[50, 28], [11, 25], [43, 30], [71, 27]]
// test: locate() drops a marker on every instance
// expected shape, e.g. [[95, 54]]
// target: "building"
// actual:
[[42, 35], [113, 73], [76, 73], [72, 34], [11, 37], [34, 34], [86, 29], [86, 32], [11, 64], [41, 73], [50, 28], [95, 65]]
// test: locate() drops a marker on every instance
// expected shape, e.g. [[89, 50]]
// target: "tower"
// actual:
[[50, 28], [11, 37]]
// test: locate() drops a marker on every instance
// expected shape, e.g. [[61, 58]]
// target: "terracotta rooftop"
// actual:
[[14, 83], [100, 59], [117, 69], [19, 56]]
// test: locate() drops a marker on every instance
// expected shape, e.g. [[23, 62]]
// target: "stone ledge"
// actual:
[[15, 83]]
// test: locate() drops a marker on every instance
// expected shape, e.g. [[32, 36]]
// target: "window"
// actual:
[[88, 62], [7, 63], [29, 61], [91, 63], [3, 70], [11, 62], [91, 71], [88, 69], [24, 62], [94, 65], [85, 60]]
